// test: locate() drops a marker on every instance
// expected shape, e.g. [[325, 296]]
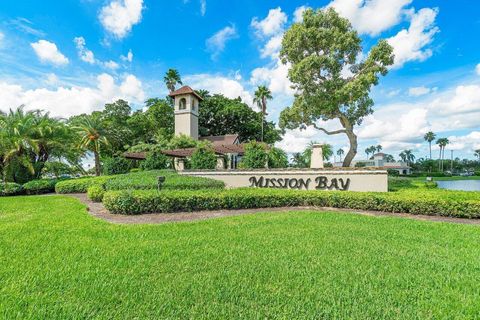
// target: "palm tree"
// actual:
[[429, 137], [477, 153], [442, 143], [93, 137], [378, 148], [17, 139], [340, 153], [261, 96], [171, 79], [371, 150], [407, 156]]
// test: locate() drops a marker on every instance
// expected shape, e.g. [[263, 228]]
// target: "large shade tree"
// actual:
[[331, 83]]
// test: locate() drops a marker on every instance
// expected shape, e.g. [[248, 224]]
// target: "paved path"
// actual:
[[99, 211]]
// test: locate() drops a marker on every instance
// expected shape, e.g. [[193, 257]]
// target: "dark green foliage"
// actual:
[[255, 156], [116, 165], [155, 161], [203, 158], [40, 186], [10, 189], [95, 193], [457, 204], [220, 115], [277, 158]]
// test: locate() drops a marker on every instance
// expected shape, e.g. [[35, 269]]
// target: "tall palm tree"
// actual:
[[477, 153], [262, 94], [429, 137], [407, 156], [378, 148], [340, 153], [93, 137], [442, 143], [171, 79]]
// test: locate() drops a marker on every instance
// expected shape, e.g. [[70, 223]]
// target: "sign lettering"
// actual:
[[321, 183]]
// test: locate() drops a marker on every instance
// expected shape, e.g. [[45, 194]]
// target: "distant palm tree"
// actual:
[[442, 143], [172, 77], [93, 136], [371, 150], [340, 153], [477, 153], [407, 156], [429, 137], [261, 96], [378, 148]]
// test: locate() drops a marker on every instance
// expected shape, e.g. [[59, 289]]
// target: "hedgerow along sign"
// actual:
[[321, 183], [307, 179]]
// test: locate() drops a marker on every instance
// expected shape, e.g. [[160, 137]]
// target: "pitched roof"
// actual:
[[219, 140], [185, 90]]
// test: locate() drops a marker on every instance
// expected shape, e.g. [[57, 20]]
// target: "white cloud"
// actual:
[[52, 79], [274, 77], [203, 7], [84, 54], [128, 57], [420, 91], [272, 47], [411, 44], [371, 16], [68, 101], [467, 143], [298, 13], [216, 43], [477, 68], [48, 52], [229, 87], [272, 25], [296, 140], [120, 16], [112, 65]]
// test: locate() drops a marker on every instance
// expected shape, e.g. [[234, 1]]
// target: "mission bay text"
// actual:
[[321, 183]]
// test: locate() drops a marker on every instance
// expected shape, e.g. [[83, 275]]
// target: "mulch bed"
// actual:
[[99, 211]]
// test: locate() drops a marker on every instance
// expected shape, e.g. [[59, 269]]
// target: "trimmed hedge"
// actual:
[[143, 180], [95, 193], [149, 180], [80, 185], [40, 186], [151, 201], [10, 189]]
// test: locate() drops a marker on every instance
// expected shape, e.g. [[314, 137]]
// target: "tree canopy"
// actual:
[[330, 80]]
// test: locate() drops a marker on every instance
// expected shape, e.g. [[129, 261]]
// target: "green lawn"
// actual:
[[57, 262]]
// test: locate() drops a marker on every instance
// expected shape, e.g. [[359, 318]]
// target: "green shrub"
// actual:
[[80, 185], [10, 189], [255, 156], [116, 165], [398, 183], [95, 193], [431, 184], [40, 186], [277, 158], [203, 158], [457, 204], [155, 161], [149, 180]]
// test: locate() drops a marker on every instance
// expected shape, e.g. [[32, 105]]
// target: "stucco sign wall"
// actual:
[[307, 179]]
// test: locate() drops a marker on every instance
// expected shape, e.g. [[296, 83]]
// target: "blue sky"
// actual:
[[70, 57]]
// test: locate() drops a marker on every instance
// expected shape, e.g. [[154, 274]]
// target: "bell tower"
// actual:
[[186, 102]]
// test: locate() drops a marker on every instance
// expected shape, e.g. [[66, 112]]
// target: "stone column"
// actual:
[[316, 161], [220, 163], [179, 164]]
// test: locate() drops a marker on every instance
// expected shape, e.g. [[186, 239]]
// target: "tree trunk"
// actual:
[[352, 152], [97, 163], [261, 137], [430, 143]]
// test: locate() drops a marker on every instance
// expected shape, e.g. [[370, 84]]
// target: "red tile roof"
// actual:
[[185, 90]]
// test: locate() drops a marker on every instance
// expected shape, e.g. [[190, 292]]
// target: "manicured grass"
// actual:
[[58, 262]]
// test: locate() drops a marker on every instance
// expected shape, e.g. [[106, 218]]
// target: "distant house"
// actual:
[[186, 102], [380, 162]]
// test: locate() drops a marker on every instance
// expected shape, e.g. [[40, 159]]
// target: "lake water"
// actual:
[[465, 185]]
